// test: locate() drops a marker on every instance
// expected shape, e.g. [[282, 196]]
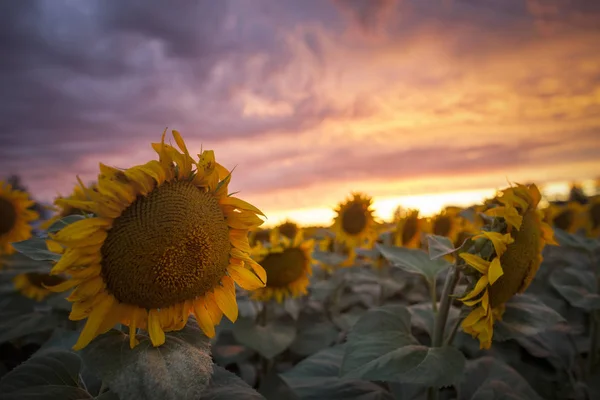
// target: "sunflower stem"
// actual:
[[450, 338], [442, 316], [433, 295], [593, 342]]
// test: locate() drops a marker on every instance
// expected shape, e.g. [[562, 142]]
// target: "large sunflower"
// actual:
[[508, 258], [288, 264], [409, 229], [33, 284], [15, 217], [166, 241], [64, 209], [354, 224], [567, 217]]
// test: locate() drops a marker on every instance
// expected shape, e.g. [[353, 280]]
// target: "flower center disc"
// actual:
[[410, 229], [520, 258], [442, 226], [170, 246], [8, 216], [284, 268], [564, 220], [38, 280], [354, 219]]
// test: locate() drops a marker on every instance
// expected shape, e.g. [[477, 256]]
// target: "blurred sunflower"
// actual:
[[507, 261], [33, 284], [567, 217], [447, 223], [63, 209], [354, 224], [593, 217], [408, 230], [288, 229], [288, 265], [258, 236], [15, 217], [166, 241]]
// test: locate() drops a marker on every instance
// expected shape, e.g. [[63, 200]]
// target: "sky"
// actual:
[[419, 103]]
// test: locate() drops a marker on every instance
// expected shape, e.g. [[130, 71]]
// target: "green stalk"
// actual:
[[593, 342], [442, 317], [433, 295]]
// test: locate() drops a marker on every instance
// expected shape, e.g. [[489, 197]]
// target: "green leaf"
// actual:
[[566, 239], [487, 379], [227, 386], [107, 396], [178, 369], [269, 340], [26, 324], [317, 377], [314, 338], [380, 348], [292, 307], [439, 246], [36, 249], [53, 375], [61, 339], [422, 316], [413, 260], [525, 316], [61, 223], [577, 286]]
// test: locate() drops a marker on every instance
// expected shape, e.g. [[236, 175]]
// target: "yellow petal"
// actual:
[[240, 204], [87, 289], [227, 302], [245, 278], [499, 241], [239, 239], [473, 317], [54, 247], [97, 315], [157, 335], [495, 271], [81, 229], [203, 318], [133, 323], [481, 284], [213, 309], [476, 262]]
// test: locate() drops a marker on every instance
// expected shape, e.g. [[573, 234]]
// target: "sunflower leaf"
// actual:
[[489, 378], [525, 316], [225, 386], [178, 369], [52, 375], [314, 337], [439, 246], [577, 286], [269, 340], [380, 347], [413, 260], [36, 249], [317, 377], [566, 239], [63, 222], [26, 324]]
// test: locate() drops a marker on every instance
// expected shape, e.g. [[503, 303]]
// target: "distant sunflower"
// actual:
[[354, 224], [166, 241], [509, 264], [259, 236], [63, 209], [288, 229], [593, 217], [33, 284], [567, 217], [447, 223], [15, 217], [408, 230], [288, 265]]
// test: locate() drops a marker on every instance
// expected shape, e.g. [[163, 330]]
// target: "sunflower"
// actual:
[[447, 223], [508, 258], [567, 217], [408, 230], [166, 241], [288, 264], [64, 209], [259, 236], [15, 217], [593, 217], [33, 284], [288, 229], [354, 224]]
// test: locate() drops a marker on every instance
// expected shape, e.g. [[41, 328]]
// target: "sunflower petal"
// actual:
[[245, 278], [157, 335], [495, 271], [95, 319]]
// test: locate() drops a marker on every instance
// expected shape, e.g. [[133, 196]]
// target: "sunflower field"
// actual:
[[155, 282]]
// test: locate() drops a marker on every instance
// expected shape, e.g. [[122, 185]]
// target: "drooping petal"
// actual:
[[157, 335], [495, 271]]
